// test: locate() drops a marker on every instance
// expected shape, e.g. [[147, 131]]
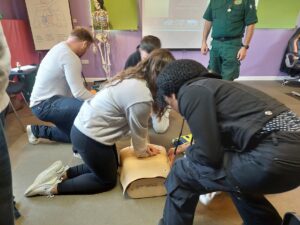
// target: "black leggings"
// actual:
[[99, 171]]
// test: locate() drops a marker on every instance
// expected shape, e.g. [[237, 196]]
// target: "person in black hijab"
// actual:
[[246, 144]]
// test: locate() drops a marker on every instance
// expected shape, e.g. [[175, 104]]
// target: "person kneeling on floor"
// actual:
[[146, 46], [246, 144], [58, 92], [124, 105]]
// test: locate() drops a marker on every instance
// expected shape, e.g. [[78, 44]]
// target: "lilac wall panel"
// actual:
[[13, 9], [6, 9], [265, 55]]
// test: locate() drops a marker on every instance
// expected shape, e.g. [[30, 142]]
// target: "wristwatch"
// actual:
[[245, 46]]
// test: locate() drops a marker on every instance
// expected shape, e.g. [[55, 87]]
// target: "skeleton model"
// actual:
[[101, 33]]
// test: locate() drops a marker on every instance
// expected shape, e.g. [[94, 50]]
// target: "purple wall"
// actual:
[[13, 9], [123, 43], [264, 56]]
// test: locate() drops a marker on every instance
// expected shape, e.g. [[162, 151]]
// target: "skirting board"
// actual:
[[266, 78], [241, 78], [92, 79]]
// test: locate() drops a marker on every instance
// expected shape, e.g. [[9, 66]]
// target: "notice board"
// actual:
[[50, 22]]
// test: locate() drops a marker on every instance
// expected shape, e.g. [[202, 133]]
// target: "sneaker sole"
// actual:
[[56, 168], [39, 188], [31, 138]]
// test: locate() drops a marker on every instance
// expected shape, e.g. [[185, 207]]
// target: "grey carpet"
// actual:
[[110, 208]]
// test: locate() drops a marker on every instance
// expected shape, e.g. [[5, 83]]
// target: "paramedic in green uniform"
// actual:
[[228, 20]]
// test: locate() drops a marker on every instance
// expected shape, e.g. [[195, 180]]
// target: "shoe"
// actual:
[[46, 180], [207, 198], [43, 189], [31, 138], [161, 222], [77, 155], [161, 125]]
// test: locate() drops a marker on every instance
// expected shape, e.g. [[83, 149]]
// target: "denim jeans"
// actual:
[[59, 110], [271, 167], [6, 196]]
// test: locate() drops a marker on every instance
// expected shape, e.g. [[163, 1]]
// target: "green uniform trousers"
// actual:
[[223, 58]]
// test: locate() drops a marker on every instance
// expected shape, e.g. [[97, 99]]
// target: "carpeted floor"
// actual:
[[112, 208]]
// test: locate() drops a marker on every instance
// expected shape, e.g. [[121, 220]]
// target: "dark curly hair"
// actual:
[[176, 74]]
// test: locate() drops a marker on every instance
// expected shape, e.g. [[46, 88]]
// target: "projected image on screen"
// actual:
[[178, 23]]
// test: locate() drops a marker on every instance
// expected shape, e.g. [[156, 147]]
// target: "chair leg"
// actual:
[[17, 116], [24, 99], [296, 93]]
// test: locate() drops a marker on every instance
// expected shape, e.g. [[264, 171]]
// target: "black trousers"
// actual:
[[273, 166], [99, 171], [6, 196]]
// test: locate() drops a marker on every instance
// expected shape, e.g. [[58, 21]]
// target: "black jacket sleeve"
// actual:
[[133, 59], [197, 105]]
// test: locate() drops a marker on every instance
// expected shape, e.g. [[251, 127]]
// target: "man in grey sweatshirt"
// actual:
[[58, 92]]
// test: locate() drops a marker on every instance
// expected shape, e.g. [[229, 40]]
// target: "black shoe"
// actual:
[[161, 222]]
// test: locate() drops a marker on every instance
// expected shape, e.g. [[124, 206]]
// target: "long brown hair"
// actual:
[[148, 70]]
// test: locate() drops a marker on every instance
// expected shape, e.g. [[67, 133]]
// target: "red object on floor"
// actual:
[[20, 42]]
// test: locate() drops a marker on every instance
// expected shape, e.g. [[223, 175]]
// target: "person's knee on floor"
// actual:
[[59, 102]]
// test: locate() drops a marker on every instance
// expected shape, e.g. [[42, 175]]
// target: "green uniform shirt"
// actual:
[[230, 17]]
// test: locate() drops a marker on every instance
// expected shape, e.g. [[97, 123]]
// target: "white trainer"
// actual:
[[45, 181], [31, 138], [161, 125], [77, 155], [44, 188], [207, 198]]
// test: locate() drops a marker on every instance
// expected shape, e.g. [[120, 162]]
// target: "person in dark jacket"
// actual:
[[246, 143], [6, 192], [147, 45]]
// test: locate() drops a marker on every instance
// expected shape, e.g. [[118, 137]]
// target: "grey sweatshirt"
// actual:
[[59, 74], [117, 111], [4, 70]]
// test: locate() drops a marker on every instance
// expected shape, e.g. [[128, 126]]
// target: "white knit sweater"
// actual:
[[116, 111]]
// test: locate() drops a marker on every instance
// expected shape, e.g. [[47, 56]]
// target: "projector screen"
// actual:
[[178, 23]]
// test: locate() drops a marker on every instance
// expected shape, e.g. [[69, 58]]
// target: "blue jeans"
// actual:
[[267, 169], [6, 196], [59, 110]]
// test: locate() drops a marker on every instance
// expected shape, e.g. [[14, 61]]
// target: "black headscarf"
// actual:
[[175, 75]]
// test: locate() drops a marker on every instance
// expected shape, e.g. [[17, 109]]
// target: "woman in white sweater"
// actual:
[[122, 107]]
